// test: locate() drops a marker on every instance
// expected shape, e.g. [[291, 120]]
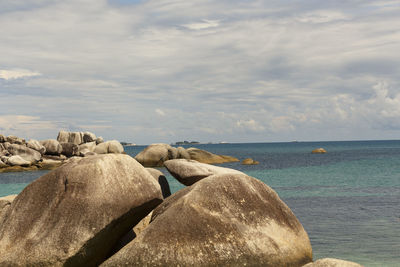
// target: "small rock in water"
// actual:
[[319, 151]]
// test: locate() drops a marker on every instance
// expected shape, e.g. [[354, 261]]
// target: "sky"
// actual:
[[150, 71]]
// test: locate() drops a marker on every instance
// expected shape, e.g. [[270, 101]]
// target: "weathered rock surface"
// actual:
[[89, 137], [52, 146], [223, 220], [63, 137], [87, 147], [2, 138], [189, 172], [99, 140], [12, 139], [208, 157], [74, 215], [182, 153], [162, 180], [75, 138], [319, 151], [112, 146], [2, 164], [5, 203], [330, 262], [70, 149], [35, 145], [154, 155], [250, 161], [26, 153], [18, 161]]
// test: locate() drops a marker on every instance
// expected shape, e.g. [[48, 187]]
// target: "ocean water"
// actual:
[[348, 199]]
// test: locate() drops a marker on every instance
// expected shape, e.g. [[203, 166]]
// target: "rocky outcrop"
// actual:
[[319, 151], [74, 215], [330, 262], [26, 153], [250, 161], [188, 172], [208, 157], [67, 145], [52, 146], [156, 154], [35, 145], [70, 149], [112, 146], [223, 220], [5, 203], [18, 161], [162, 181]]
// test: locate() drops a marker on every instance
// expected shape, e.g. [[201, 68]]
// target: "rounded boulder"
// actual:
[[74, 215], [222, 220]]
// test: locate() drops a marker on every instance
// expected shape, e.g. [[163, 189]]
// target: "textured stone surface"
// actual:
[[154, 155], [208, 157], [26, 153], [17, 161], [89, 137], [182, 153], [52, 146], [35, 145], [330, 262], [222, 220], [188, 172], [74, 215], [63, 136], [70, 149], [12, 139]]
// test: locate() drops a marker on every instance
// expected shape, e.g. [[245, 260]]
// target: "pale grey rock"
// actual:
[[35, 145], [87, 147], [18, 161], [331, 262], [55, 157], [182, 153], [89, 153], [70, 149], [74, 215], [112, 146], [26, 153], [89, 137], [12, 139], [52, 146], [223, 220], [2, 164], [162, 180], [189, 172], [155, 154], [2, 138], [173, 153], [115, 147], [101, 148], [75, 138], [99, 140], [63, 136]]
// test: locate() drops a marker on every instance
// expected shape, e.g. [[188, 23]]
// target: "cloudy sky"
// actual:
[[150, 71]]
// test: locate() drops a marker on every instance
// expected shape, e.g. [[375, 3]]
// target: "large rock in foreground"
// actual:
[[330, 262], [223, 220], [188, 172], [208, 157], [74, 215]]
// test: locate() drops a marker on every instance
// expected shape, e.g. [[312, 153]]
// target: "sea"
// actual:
[[348, 200]]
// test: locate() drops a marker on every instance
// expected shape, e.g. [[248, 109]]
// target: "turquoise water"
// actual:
[[348, 200]]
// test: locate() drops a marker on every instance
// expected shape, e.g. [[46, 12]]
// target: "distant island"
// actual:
[[127, 144], [186, 143]]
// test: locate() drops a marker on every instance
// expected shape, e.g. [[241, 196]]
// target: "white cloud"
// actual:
[[160, 112], [17, 73], [204, 24], [250, 124]]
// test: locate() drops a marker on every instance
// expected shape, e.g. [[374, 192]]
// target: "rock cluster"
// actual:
[[108, 210], [16, 154], [156, 154]]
